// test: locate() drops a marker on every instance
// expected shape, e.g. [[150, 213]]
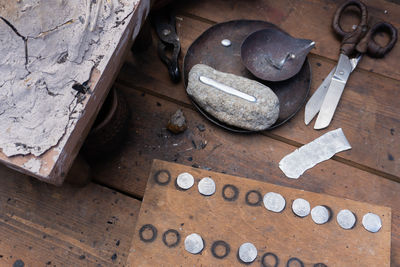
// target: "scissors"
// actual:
[[354, 44]]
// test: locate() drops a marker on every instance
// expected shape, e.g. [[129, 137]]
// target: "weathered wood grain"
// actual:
[[310, 19], [44, 225], [368, 111], [235, 222], [255, 156]]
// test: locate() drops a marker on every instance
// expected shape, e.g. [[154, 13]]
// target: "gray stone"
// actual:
[[230, 108]]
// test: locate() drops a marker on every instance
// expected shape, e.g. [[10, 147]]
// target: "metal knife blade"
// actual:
[[335, 90], [315, 102]]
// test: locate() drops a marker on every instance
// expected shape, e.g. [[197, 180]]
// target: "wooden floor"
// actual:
[[42, 225]]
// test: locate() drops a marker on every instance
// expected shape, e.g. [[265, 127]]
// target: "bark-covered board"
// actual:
[[231, 216]]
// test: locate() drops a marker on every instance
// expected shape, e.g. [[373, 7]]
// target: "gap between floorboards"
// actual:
[[267, 134]]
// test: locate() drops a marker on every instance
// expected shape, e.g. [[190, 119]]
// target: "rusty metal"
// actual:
[[207, 49], [274, 55]]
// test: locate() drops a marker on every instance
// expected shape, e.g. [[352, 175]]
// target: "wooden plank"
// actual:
[[235, 222], [368, 111], [254, 156], [56, 162], [310, 19], [44, 225]]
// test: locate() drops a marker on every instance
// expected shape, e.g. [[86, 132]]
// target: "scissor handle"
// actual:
[[368, 44], [350, 39]]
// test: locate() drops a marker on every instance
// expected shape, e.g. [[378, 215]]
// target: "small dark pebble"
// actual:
[[201, 127], [158, 104], [318, 64], [82, 257], [143, 94], [189, 158], [195, 165], [390, 157], [117, 244], [392, 131], [203, 144], [18, 263], [114, 257], [48, 263]]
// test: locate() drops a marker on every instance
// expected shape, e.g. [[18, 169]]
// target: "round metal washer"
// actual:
[[185, 180], [226, 42], [259, 198], [177, 236], [294, 259], [194, 243], [320, 214], [221, 243], [346, 219], [269, 254], [234, 189], [372, 222], [158, 180], [148, 227], [301, 207], [274, 202], [247, 252], [206, 186]]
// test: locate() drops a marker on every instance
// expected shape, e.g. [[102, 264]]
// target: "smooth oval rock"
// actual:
[[250, 105]]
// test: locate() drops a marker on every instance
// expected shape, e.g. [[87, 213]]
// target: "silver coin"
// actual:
[[226, 42], [194, 243], [274, 202], [301, 207], [320, 214], [206, 186], [372, 222], [185, 180], [247, 252], [346, 219]]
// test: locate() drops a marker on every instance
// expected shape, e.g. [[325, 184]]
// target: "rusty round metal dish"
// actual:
[[207, 49], [273, 55]]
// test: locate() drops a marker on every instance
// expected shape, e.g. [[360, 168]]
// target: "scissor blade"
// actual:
[[335, 90], [315, 102]]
